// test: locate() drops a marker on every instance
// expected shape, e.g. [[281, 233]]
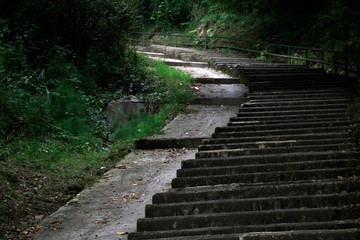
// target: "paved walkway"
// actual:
[[110, 209]]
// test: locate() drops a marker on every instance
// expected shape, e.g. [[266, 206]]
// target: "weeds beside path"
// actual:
[[38, 175]]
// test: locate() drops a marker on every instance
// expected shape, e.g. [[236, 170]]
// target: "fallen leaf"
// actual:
[[122, 233]]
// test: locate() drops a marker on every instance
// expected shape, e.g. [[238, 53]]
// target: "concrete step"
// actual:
[[300, 130], [277, 176], [219, 101], [269, 167], [341, 227], [274, 143], [338, 234], [251, 204], [248, 218], [271, 138], [298, 87], [285, 98], [290, 113], [322, 124], [187, 64], [217, 80], [300, 92], [298, 102], [329, 106], [257, 190], [291, 118], [239, 122], [273, 150], [268, 158], [344, 230]]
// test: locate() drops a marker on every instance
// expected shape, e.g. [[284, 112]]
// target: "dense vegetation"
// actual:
[[333, 24], [62, 61]]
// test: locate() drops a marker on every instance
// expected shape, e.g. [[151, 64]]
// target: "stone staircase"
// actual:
[[283, 168]]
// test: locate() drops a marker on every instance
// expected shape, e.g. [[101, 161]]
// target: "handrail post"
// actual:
[[322, 59], [143, 39], [269, 51], [175, 37], [336, 61], [306, 57], [289, 55], [206, 43], [346, 63], [248, 47]]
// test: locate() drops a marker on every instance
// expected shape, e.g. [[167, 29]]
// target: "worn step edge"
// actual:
[[163, 143], [217, 80], [268, 158], [279, 132], [248, 108], [277, 176], [290, 113], [248, 218], [273, 150], [195, 233], [269, 167], [253, 190], [251, 204], [290, 137], [338, 234], [243, 122], [219, 101], [296, 117], [307, 124], [274, 143]]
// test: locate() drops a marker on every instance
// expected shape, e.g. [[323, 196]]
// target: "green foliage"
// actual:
[[170, 87]]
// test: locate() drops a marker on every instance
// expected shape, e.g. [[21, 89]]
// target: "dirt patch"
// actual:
[[29, 193]]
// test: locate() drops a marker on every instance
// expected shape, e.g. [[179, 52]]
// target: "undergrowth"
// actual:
[[65, 142]]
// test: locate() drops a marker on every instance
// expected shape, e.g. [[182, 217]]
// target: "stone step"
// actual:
[[301, 92], [248, 218], [269, 167], [298, 102], [291, 118], [338, 234], [219, 101], [244, 122], [268, 158], [329, 106], [273, 150], [298, 130], [290, 113], [187, 64], [346, 124], [293, 87], [344, 230], [249, 72], [251, 204], [217, 80], [291, 137], [257, 190], [152, 54], [305, 97], [273, 143], [256, 177]]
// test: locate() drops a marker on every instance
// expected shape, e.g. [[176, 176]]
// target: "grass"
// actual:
[[37, 176]]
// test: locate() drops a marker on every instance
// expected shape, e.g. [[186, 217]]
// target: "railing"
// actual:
[[329, 60]]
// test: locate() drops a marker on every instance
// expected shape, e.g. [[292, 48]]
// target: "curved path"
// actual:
[[110, 209], [283, 168]]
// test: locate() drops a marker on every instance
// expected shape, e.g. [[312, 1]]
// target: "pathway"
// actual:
[[110, 209], [283, 168]]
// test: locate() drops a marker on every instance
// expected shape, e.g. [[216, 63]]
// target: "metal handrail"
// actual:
[[339, 60]]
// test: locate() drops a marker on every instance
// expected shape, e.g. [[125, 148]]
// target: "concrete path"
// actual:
[[110, 208]]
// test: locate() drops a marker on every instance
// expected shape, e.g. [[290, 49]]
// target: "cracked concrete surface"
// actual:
[[110, 208]]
